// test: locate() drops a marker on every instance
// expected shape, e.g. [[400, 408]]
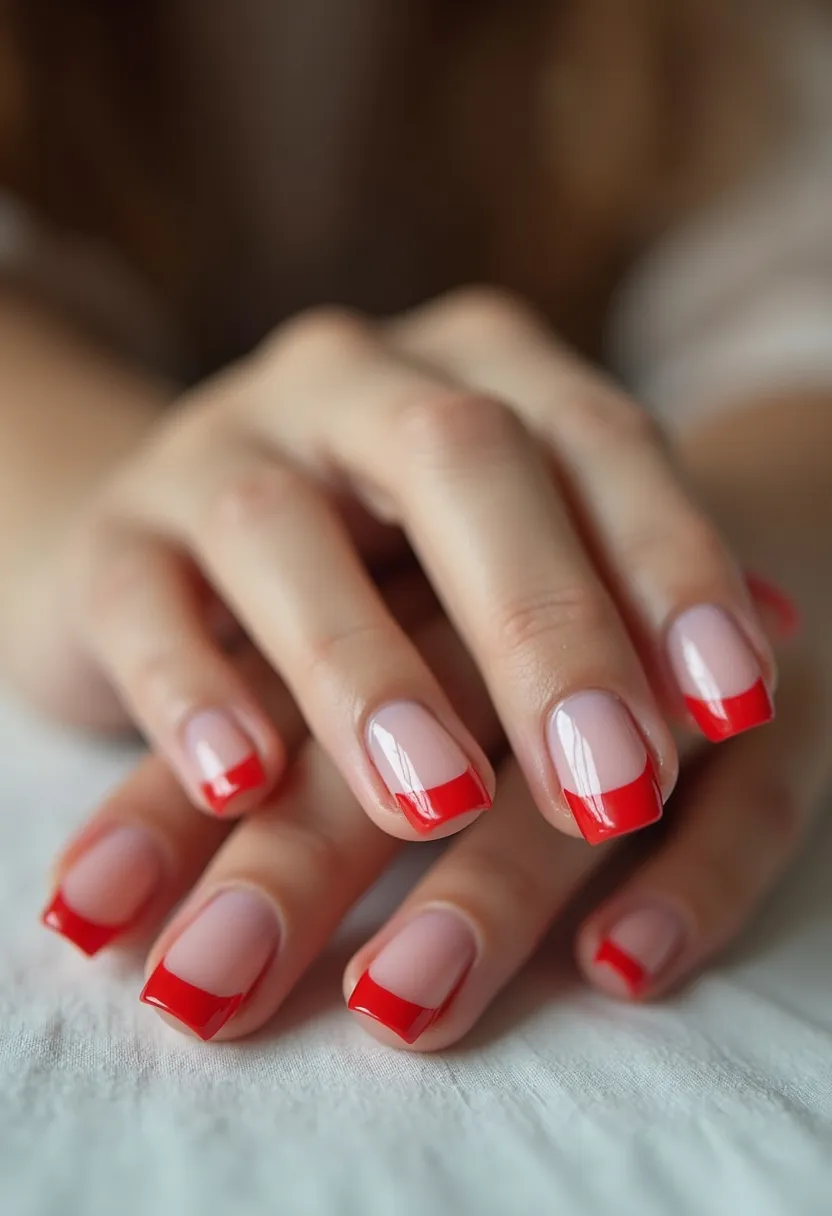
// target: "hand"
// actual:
[[278, 883], [595, 597]]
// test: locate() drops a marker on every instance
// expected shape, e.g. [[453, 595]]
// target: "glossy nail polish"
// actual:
[[718, 673], [638, 948], [411, 983], [424, 769], [215, 963], [106, 890], [223, 759], [603, 766]]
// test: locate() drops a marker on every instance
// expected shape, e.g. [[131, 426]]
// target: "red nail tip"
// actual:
[[782, 607], [723, 719], [614, 812], [202, 1012], [85, 934], [245, 776], [426, 810], [630, 970], [404, 1018]]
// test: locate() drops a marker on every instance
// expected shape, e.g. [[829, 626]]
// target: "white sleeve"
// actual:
[[739, 302]]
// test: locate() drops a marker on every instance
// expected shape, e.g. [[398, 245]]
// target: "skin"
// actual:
[[756, 468]]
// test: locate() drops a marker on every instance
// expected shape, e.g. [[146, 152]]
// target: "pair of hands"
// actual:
[[247, 577]]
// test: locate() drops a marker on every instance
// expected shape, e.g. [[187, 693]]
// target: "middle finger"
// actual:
[[469, 486]]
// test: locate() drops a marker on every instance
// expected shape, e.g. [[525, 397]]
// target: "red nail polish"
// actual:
[[246, 776], [603, 816], [404, 1018], [717, 673], [217, 961], [106, 889], [85, 934], [603, 765], [424, 769], [723, 718], [631, 971], [427, 809], [201, 1011]]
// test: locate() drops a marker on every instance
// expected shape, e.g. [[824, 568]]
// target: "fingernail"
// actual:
[[638, 948], [603, 767], [424, 769], [223, 758], [411, 983], [718, 673], [780, 613], [215, 963], [105, 891]]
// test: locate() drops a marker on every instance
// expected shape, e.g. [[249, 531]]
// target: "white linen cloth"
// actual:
[[717, 1101]]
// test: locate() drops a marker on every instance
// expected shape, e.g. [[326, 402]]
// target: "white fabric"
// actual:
[[719, 1101]]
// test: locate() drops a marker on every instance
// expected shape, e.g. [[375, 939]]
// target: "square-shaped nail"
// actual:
[[718, 673], [215, 963], [426, 771], [415, 977], [638, 948], [603, 766], [221, 759], [105, 891]]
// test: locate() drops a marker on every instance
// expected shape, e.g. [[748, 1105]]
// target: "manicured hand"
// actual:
[[597, 600]]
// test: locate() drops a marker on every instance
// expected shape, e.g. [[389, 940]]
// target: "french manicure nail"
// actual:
[[415, 977], [424, 769], [638, 948], [603, 767], [223, 758], [718, 674], [106, 890], [216, 962]]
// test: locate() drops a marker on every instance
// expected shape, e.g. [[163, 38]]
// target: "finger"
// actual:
[[142, 850], [736, 828], [464, 931], [266, 905], [683, 594], [429, 973], [282, 883], [279, 555], [470, 488], [144, 615], [145, 845]]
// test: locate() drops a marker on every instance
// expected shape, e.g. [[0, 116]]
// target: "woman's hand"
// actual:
[[596, 598], [262, 897]]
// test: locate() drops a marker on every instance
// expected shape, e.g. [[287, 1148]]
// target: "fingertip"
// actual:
[[628, 953]]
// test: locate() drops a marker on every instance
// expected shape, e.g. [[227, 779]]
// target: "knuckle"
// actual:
[[445, 427], [602, 416], [321, 333], [549, 614], [253, 495], [345, 648], [116, 573], [155, 680], [485, 311], [688, 543]]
